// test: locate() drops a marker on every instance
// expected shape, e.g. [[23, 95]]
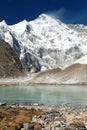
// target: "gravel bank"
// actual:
[[60, 117]]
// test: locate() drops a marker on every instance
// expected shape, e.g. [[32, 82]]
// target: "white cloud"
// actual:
[[68, 16], [57, 14]]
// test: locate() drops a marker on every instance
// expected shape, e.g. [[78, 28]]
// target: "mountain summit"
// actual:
[[45, 42]]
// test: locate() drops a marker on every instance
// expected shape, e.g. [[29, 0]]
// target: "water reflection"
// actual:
[[47, 95]]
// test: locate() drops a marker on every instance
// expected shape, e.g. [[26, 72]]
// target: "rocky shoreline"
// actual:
[[61, 117], [30, 80]]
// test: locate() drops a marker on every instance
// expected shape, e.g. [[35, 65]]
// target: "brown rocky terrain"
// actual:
[[74, 74], [49, 118], [10, 65], [15, 118]]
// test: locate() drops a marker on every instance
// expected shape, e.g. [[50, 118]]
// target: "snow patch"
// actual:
[[82, 60]]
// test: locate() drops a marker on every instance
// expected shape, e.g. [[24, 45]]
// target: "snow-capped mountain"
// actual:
[[45, 42]]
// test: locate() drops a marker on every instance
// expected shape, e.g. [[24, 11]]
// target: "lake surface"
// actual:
[[47, 95]]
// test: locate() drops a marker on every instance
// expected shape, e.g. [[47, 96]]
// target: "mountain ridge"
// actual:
[[44, 43]]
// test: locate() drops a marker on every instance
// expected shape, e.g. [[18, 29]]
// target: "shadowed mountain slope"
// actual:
[[10, 65]]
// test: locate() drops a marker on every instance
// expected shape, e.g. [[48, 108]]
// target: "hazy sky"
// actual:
[[69, 11]]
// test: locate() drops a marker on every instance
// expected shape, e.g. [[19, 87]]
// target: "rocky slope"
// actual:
[[60, 117], [74, 74], [10, 65]]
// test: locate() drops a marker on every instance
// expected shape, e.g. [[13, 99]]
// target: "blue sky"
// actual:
[[69, 11]]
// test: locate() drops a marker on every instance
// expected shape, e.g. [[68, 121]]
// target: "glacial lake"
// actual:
[[47, 95]]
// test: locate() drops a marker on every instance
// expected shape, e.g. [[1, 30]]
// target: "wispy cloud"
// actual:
[[58, 14], [68, 16]]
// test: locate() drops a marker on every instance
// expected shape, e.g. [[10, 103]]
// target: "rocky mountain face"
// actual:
[[45, 43], [10, 65]]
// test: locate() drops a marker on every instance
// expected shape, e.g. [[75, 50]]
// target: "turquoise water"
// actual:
[[47, 95]]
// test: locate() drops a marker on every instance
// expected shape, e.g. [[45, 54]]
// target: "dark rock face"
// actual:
[[31, 63], [10, 65], [16, 46]]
